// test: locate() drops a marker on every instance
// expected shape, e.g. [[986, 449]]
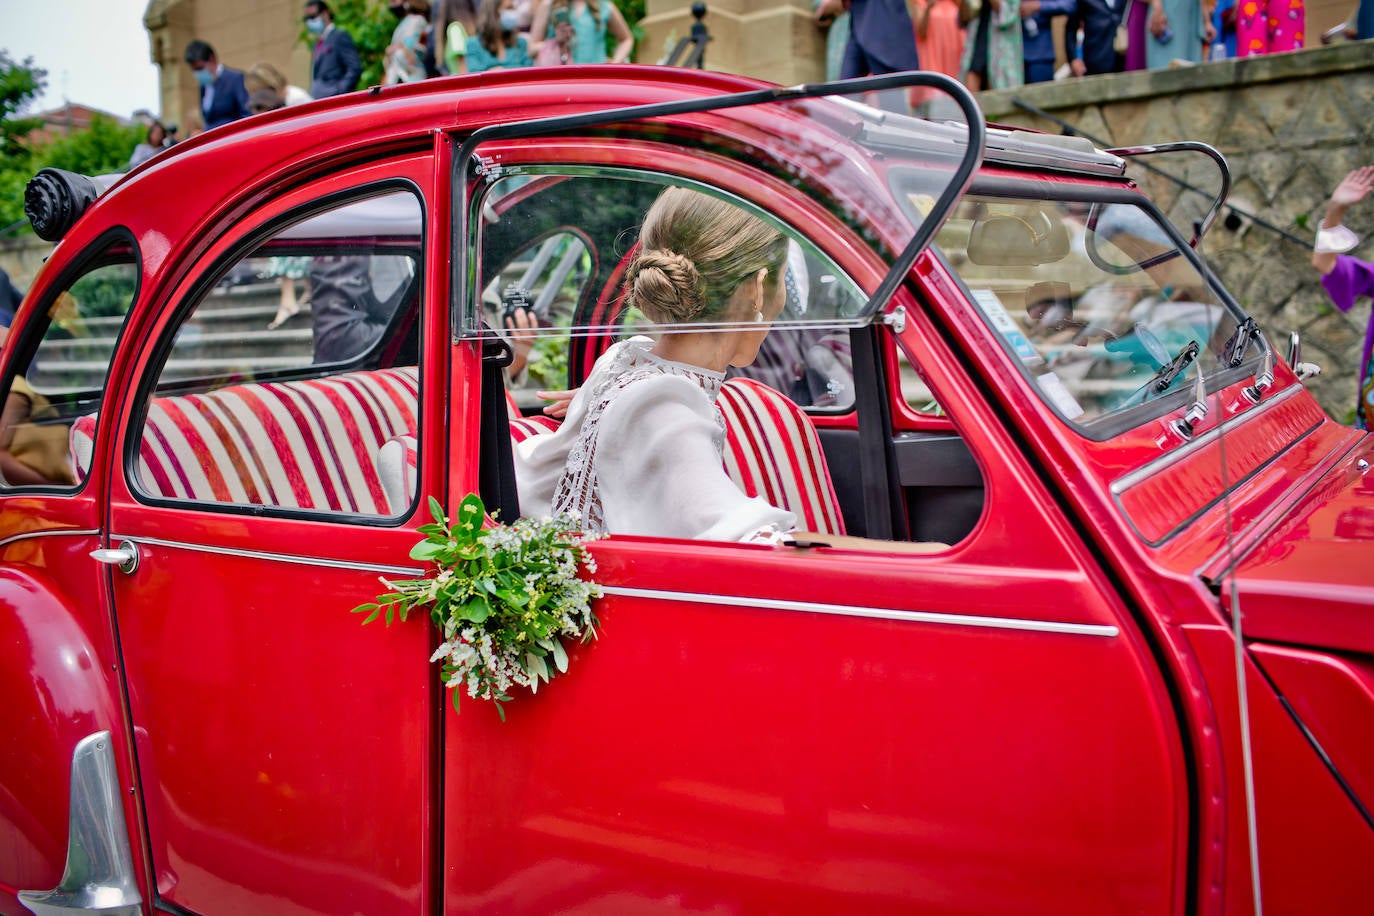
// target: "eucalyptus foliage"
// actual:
[[503, 598]]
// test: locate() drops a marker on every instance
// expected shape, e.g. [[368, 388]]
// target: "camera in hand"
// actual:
[[514, 298]]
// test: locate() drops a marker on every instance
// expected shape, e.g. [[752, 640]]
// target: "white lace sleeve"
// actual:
[[659, 469]]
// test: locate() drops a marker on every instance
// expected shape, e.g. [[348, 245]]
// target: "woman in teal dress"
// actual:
[[496, 44], [993, 51], [593, 21], [1185, 23]]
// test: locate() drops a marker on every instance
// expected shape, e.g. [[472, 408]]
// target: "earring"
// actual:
[[758, 316]]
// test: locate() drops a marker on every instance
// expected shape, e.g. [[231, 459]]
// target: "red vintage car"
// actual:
[[1132, 672]]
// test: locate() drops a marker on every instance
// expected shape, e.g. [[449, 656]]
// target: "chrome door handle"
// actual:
[[125, 556]]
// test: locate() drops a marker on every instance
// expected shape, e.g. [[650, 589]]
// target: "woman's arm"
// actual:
[[920, 16], [1352, 189], [539, 26], [620, 31]]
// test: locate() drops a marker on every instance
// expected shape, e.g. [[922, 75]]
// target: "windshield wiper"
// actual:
[[1239, 343], [1174, 368]]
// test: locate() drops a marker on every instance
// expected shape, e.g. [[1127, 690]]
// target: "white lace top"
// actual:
[[640, 453]]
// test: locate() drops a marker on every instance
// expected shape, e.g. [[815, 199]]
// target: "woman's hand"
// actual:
[[1353, 187], [521, 325], [561, 400], [1159, 23]]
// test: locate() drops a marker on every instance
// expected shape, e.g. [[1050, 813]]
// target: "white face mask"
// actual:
[[314, 25], [510, 20]]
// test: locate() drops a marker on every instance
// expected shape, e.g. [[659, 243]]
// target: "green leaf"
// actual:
[[426, 550], [456, 691], [560, 656], [471, 512], [436, 511]]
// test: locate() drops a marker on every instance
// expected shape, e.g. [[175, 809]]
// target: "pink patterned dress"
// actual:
[[1270, 26]]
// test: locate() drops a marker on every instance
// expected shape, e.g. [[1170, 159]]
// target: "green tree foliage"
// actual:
[[20, 84], [102, 148]]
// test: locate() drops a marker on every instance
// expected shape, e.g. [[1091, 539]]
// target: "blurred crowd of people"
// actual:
[[986, 44], [1000, 44], [430, 39]]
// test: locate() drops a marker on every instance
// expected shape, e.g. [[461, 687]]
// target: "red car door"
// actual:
[[285, 753], [784, 729]]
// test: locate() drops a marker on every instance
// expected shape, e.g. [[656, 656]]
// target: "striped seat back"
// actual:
[[772, 450], [309, 444]]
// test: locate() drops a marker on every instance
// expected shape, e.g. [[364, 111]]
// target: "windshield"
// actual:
[[1104, 312]]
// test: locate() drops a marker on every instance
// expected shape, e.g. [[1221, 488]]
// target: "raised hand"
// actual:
[[1353, 187]]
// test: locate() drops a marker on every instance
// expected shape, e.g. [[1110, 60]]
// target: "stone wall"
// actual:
[[1290, 127]]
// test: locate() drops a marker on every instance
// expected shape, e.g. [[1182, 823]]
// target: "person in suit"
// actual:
[[1098, 20], [335, 66], [223, 96], [882, 38]]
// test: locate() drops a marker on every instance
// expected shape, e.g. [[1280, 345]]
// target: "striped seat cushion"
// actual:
[[772, 450], [309, 444], [81, 445]]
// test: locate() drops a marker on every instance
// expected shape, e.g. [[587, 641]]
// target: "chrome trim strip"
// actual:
[[276, 557], [1122, 484], [49, 533], [99, 877], [844, 610]]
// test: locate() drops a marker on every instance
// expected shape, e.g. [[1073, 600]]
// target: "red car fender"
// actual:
[[57, 690]]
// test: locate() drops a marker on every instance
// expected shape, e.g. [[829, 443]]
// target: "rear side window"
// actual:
[[54, 395], [292, 382]]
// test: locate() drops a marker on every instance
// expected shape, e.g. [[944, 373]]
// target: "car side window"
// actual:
[[53, 398], [292, 382]]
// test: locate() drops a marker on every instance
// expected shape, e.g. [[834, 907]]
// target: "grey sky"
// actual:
[[95, 51]]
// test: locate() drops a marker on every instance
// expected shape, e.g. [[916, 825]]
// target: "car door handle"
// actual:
[[125, 556]]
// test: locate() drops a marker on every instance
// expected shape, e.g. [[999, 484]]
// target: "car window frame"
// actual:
[[210, 274]]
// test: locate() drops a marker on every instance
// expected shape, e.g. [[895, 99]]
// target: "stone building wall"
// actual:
[[1290, 127]]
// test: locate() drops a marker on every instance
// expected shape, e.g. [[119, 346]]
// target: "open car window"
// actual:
[[1100, 306]]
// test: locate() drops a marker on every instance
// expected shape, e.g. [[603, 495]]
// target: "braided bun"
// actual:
[[666, 287]]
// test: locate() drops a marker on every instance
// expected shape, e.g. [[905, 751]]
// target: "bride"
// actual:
[[640, 449]]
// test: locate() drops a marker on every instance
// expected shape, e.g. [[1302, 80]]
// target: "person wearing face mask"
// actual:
[[405, 56], [335, 65], [497, 42], [223, 96], [593, 21]]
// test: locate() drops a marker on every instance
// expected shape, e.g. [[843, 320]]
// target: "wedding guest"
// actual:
[[1179, 30], [939, 40], [593, 22], [405, 56], [451, 22], [1346, 278], [335, 66], [497, 44], [154, 143], [1037, 40], [1270, 26], [836, 26], [992, 51], [557, 51], [1095, 52], [223, 97], [265, 76]]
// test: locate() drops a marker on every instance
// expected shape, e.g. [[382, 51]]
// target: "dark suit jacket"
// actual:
[[1099, 19], [883, 29], [229, 102], [336, 66]]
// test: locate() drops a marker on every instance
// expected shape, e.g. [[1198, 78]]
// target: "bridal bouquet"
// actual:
[[503, 598]]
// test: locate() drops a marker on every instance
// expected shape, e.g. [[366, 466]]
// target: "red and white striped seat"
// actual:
[[310, 444], [772, 450]]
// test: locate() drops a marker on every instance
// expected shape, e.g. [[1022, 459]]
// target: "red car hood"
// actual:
[[1311, 580]]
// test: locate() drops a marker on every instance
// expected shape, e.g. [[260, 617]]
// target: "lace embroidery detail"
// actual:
[[578, 492]]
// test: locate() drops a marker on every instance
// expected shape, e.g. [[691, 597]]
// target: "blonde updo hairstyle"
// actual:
[[694, 252]]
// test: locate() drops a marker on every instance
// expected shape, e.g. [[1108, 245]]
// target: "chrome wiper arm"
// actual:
[[1167, 373], [1239, 343]]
